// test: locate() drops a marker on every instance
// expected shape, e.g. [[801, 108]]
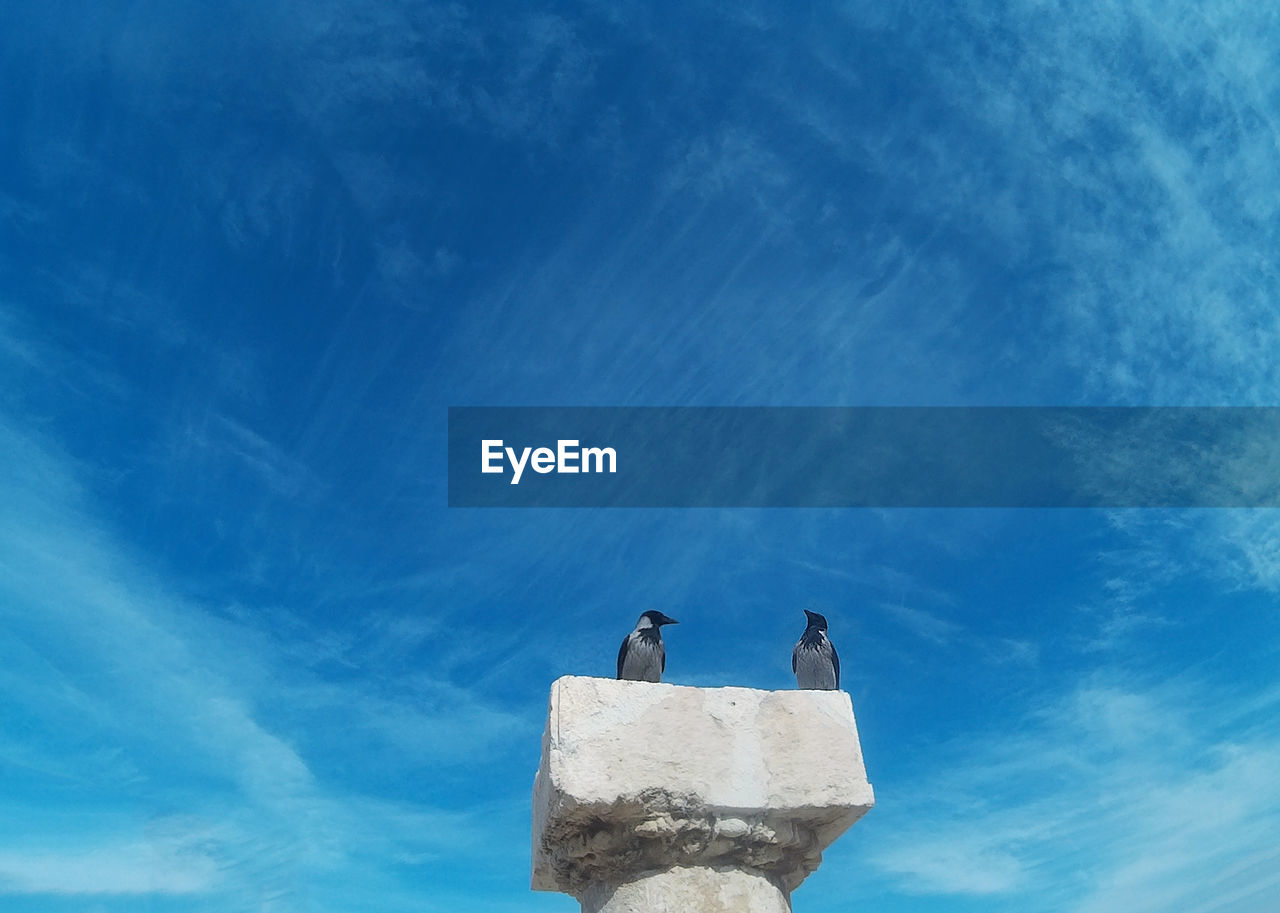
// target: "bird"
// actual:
[[642, 658], [814, 659]]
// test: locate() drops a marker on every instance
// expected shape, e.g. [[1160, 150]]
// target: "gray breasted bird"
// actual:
[[814, 659], [642, 657]]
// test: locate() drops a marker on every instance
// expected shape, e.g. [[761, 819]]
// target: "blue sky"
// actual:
[[249, 256]]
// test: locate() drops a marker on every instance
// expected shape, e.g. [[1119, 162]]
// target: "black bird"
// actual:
[[642, 657], [814, 660]]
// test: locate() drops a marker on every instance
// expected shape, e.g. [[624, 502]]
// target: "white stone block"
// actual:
[[639, 777]]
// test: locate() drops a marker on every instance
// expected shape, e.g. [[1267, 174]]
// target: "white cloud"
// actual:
[[123, 690], [129, 868], [953, 866], [1115, 798]]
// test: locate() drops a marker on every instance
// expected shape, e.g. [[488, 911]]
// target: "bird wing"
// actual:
[[835, 662], [794, 652], [662, 657], [622, 653]]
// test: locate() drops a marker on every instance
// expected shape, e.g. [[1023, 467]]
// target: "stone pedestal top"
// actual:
[[639, 777]]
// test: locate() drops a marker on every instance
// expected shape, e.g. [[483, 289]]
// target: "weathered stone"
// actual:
[[690, 890], [739, 788]]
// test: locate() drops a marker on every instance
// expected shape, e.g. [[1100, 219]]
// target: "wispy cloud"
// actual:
[[1157, 215], [924, 624], [944, 633], [949, 866], [1114, 797], [144, 867], [404, 57], [1157, 550], [173, 706]]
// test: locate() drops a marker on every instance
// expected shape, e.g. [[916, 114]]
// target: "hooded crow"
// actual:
[[642, 657], [814, 659]]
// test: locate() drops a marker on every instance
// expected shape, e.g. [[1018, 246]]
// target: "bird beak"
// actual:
[[670, 621]]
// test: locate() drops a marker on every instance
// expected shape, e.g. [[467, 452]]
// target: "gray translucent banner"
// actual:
[[864, 457]]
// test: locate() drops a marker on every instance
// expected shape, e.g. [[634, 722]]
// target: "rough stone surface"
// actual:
[[639, 777], [691, 890]]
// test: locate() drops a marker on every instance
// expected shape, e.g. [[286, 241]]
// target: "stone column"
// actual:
[[655, 798]]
